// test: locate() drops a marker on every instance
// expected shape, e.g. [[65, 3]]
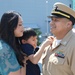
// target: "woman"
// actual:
[[11, 57]]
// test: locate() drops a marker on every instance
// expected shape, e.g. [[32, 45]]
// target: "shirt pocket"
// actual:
[[56, 60], [60, 61]]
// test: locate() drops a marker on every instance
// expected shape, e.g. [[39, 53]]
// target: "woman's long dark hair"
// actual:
[[9, 22]]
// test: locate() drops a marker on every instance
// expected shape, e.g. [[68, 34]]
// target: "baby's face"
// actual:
[[33, 41]]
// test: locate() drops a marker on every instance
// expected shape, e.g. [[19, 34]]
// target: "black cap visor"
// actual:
[[56, 16]]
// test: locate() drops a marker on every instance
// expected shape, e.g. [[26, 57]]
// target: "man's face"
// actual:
[[58, 25]]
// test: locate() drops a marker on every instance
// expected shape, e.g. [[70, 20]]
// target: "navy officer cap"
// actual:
[[63, 11]]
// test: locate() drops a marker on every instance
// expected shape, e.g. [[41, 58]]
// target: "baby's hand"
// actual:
[[48, 41]]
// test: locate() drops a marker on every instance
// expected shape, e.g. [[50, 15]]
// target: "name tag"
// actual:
[[59, 54]]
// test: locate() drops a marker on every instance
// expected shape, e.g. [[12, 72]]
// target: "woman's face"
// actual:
[[19, 29]]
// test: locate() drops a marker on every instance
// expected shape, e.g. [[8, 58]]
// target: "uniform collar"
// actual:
[[63, 41], [67, 38], [58, 42]]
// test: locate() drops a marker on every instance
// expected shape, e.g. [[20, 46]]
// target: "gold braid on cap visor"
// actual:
[[61, 14]]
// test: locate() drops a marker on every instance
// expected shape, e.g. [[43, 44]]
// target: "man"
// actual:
[[59, 59]]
